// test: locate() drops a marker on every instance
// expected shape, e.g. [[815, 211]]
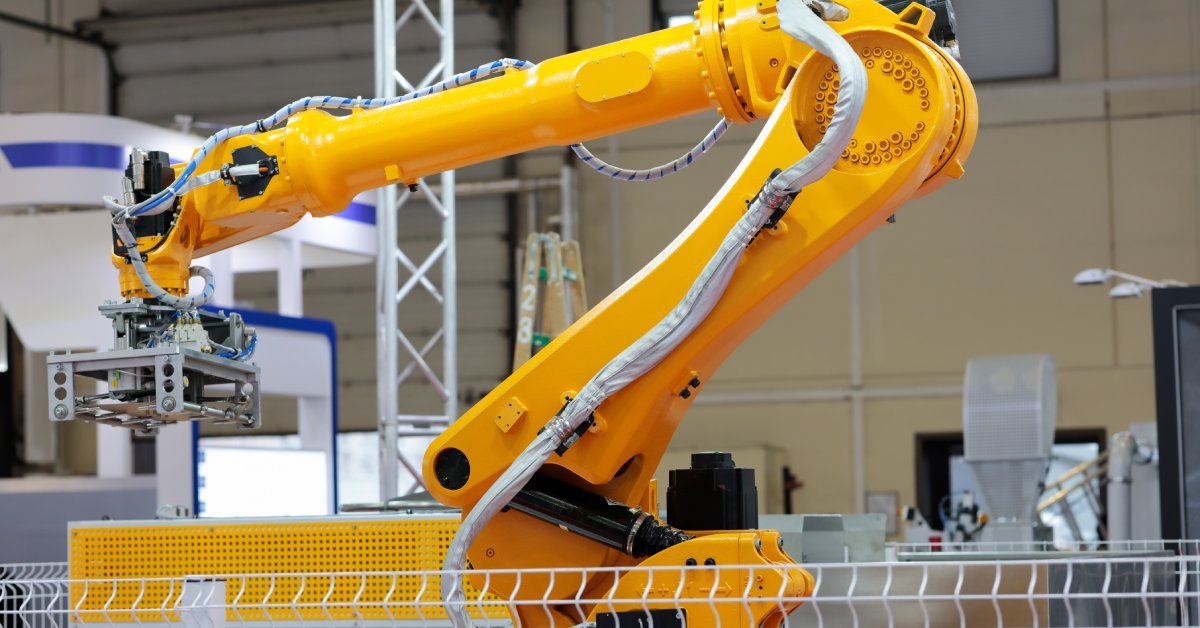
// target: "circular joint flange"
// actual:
[[712, 48]]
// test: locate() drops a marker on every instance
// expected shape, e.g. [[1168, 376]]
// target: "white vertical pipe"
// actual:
[[290, 278], [41, 435], [386, 271], [174, 465], [531, 212], [567, 203], [1121, 449], [450, 236], [857, 409], [221, 265], [114, 445], [114, 452], [315, 423]]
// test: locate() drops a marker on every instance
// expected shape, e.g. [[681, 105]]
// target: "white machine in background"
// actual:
[[1133, 491], [1000, 492], [40, 151], [1009, 411]]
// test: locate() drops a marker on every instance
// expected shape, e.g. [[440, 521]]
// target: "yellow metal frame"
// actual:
[[123, 559]]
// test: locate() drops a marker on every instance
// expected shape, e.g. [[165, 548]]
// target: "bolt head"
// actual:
[[168, 404], [60, 411]]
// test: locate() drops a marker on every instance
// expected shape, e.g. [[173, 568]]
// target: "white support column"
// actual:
[[568, 203], [221, 265], [386, 279], [114, 445], [857, 403], [315, 425], [290, 278], [174, 466], [114, 452], [400, 277], [450, 237], [41, 435]]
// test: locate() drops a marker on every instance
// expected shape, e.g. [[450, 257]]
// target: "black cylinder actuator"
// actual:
[[614, 524], [712, 495]]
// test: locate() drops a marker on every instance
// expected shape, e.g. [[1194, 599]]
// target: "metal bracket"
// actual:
[[154, 387]]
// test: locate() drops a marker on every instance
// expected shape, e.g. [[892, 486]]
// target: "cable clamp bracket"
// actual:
[[566, 435], [777, 203]]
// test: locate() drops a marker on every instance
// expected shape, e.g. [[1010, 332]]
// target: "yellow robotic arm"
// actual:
[[916, 130], [319, 161]]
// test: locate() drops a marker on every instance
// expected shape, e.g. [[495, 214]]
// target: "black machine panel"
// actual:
[[1177, 392]]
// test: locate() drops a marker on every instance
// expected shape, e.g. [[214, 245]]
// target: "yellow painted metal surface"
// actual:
[[747, 573], [325, 160], [166, 549], [510, 414], [910, 139], [613, 77]]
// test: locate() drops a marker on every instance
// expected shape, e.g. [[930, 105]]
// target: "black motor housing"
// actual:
[[712, 495], [156, 174]]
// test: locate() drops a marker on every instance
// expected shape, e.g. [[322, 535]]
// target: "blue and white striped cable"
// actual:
[[188, 180], [159, 202], [658, 172]]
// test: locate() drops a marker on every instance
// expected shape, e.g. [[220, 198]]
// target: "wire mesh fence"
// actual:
[[1185, 547], [1146, 588], [33, 595]]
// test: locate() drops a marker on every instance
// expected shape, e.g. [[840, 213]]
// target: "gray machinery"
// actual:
[[1009, 410]]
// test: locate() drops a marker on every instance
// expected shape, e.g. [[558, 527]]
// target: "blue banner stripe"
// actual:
[[359, 212], [66, 155], [113, 157]]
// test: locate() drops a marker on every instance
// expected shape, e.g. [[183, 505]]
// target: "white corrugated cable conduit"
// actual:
[[798, 21]]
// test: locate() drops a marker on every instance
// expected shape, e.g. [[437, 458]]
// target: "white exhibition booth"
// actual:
[[55, 270]]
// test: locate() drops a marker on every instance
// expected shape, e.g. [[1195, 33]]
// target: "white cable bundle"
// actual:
[[798, 21]]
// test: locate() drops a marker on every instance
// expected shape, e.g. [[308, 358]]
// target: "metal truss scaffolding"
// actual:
[[400, 277]]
